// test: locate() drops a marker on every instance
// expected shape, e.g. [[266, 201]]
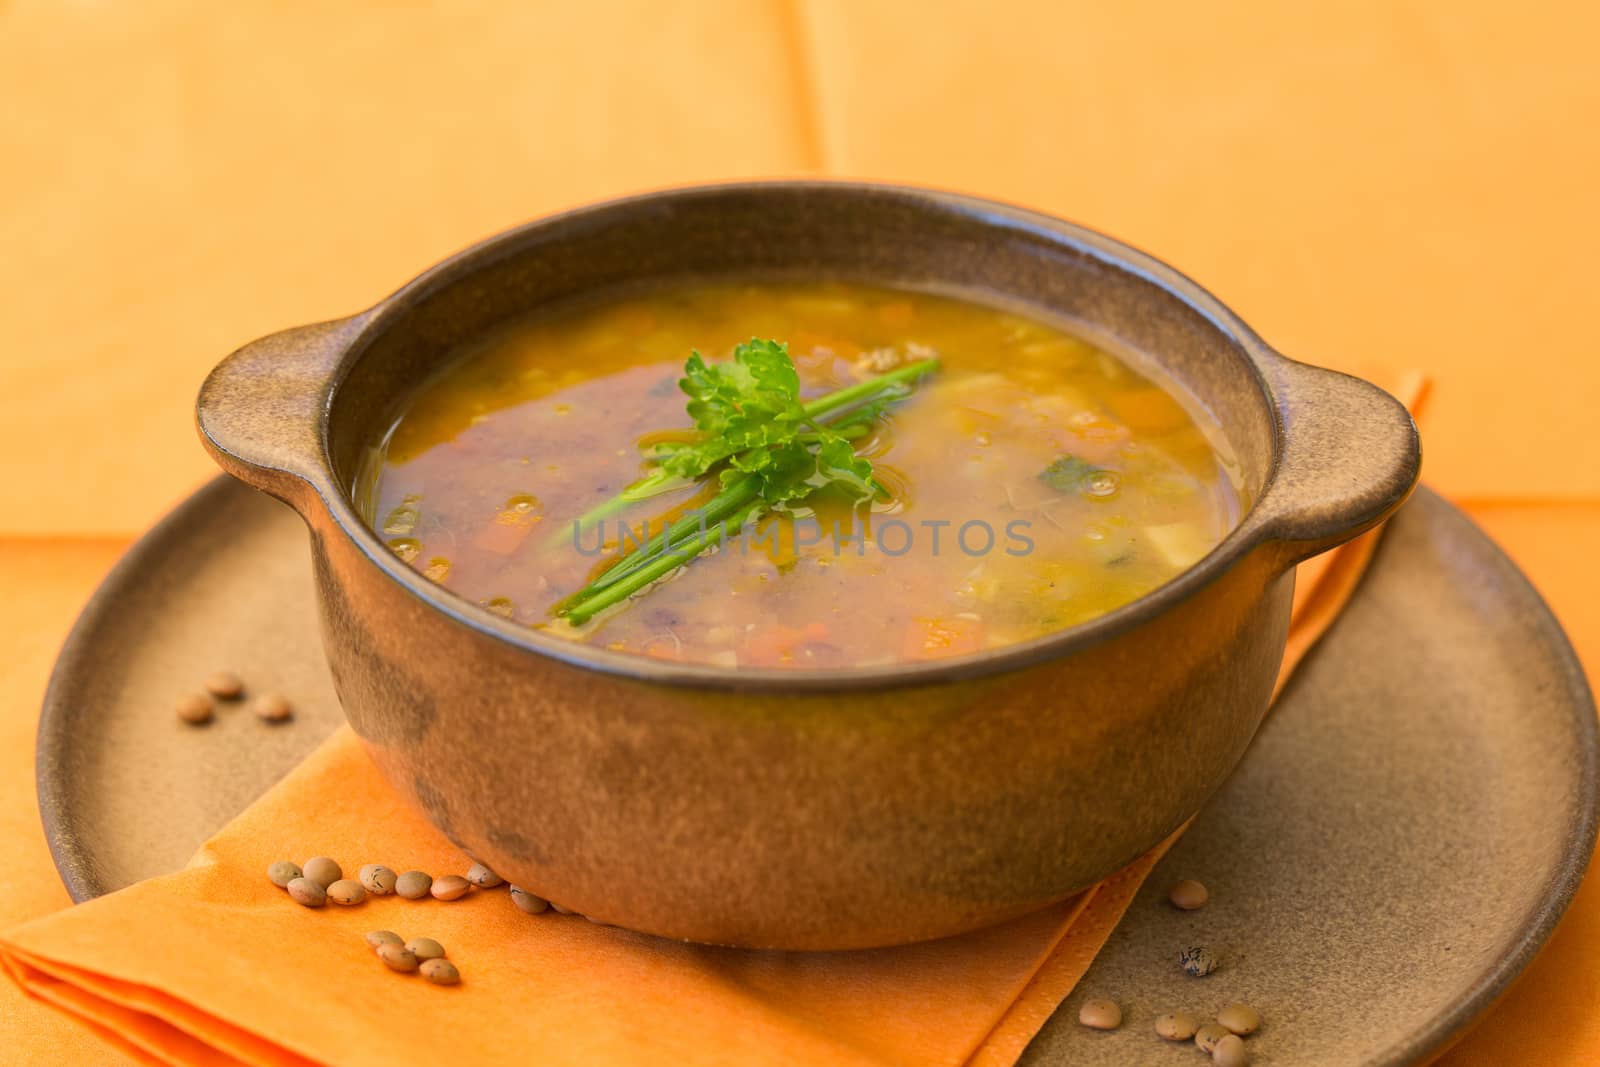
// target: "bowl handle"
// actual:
[[260, 411], [1349, 456]]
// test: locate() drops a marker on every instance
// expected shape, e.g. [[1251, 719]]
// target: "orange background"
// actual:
[[1372, 185]]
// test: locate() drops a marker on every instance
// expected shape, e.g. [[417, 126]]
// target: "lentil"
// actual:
[[1188, 895], [413, 885], [440, 972], [1100, 1014], [450, 887], [426, 948], [307, 892], [225, 685], [378, 938], [323, 871], [1208, 1035], [397, 957], [1197, 961], [283, 872], [483, 877], [559, 910], [531, 903], [347, 891], [1242, 1019], [1176, 1026], [195, 709], [1230, 1052], [272, 708], [378, 879]]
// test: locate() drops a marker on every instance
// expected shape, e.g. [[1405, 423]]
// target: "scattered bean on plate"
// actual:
[[413, 885], [1241, 1019], [425, 948], [195, 709], [1197, 961], [450, 887], [1188, 895], [1230, 1052], [308, 892], [272, 707], [378, 938], [378, 879], [440, 971], [225, 685], [283, 872], [531, 903], [1098, 1013], [397, 957], [1176, 1026], [347, 891], [1208, 1035], [483, 877], [323, 871]]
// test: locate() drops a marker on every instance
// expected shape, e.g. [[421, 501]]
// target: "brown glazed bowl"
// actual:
[[810, 810]]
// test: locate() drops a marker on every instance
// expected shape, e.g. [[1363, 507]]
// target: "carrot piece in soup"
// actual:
[[772, 646], [929, 638], [502, 538]]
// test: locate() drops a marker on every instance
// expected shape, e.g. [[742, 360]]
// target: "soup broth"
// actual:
[[1032, 482]]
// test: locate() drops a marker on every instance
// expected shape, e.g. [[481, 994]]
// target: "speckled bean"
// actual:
[[483, 877], [346, 891], [377, 879], [1176, 1026], [440, 972], [283, 872], [413, 885], [1188, 895], [195, 709], [531, 903], [308, 892], [1242, 1019], [272, 707], [1208, 1035], [1230, 1052], [225, 685], [397, 958], [1197, 961], [378, 938], [450, 887], [1098, 1013], [426, 948], [323, 871]]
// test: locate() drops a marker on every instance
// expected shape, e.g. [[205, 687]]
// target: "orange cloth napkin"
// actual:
[[214, 965]]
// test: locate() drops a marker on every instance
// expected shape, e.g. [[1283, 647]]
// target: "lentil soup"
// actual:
[[1026, 482]]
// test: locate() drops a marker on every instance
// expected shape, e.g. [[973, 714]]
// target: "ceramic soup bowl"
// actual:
[[825, 809]]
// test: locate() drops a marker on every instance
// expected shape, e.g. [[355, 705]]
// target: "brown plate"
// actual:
[[1406, 829]]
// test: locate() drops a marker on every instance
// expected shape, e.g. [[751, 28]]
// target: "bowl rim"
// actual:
[[1247, 534]]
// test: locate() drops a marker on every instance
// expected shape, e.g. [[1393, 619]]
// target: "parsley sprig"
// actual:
[[768, 449]]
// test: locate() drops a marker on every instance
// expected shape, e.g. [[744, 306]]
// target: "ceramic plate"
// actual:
[[1405, 831]]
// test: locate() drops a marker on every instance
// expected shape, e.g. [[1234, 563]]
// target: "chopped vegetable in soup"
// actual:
[[791, 475]]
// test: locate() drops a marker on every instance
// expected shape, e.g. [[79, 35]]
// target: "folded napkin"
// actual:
[[214, 965]]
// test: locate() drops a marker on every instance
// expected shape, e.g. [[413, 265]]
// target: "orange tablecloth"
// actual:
[[1384, 185]]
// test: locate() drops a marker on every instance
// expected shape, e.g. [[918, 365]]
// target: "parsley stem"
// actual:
[[661, 566], [861, 392], [717, 509]]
